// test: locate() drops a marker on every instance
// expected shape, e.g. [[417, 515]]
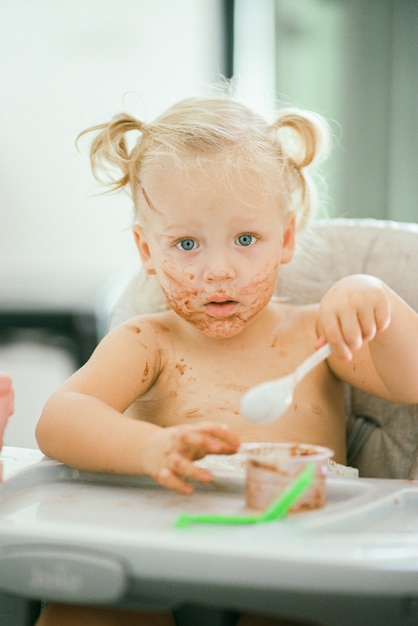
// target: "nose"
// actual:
[[219, 268]]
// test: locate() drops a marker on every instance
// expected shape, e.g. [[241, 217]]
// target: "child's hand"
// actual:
[[172, 452], [352, 312], [6, 402]]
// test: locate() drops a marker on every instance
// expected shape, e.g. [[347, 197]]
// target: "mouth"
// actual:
[[221, 308]]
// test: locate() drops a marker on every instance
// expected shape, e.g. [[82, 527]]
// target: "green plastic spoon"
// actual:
[[275, 511]]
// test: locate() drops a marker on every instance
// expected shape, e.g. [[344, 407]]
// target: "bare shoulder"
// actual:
[[154, 328], [126, 362], [140, 341]]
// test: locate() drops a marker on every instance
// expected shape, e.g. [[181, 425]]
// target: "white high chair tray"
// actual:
[[82, 537]]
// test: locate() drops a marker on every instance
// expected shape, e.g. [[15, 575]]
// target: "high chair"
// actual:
[[382, 442]]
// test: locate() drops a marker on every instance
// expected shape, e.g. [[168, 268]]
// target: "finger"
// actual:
[[382, 315], [351, 325], [196, 443], [167, 478], [221, 432], [321, 341], [184, 468], [333, 331], [368, 325], [208, 438], [180, 471]]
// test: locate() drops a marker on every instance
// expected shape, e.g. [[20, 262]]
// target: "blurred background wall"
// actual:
[[356, 62], [66, 65]]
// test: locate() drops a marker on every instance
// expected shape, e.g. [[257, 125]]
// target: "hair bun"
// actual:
[[304, 136]]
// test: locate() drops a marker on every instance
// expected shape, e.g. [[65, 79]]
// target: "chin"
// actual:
[[221, 328]]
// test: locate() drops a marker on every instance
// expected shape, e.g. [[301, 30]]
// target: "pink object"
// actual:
[[6, 403]]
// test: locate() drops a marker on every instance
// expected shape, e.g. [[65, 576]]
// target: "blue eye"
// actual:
[[245, 239], [187, 244]]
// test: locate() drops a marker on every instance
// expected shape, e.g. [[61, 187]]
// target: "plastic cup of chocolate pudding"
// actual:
[[271, 467]]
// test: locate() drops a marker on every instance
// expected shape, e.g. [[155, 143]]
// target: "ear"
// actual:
[[289, 236], [143, 249]]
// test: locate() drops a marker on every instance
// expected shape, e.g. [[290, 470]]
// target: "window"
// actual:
[[356, 63]]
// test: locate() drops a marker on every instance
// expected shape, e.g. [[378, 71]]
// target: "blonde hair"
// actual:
[[282, 152]]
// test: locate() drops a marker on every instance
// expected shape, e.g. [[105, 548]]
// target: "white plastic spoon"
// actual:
[[267, 401]]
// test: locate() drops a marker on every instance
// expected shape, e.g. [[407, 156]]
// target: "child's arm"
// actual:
[[374, 337], [83, 423]]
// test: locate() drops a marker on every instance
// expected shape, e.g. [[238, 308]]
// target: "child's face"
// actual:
[[216, 252]]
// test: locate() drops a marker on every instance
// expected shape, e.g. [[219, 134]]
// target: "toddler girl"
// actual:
[[219, 194]]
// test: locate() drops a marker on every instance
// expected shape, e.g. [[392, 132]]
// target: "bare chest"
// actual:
[[195, 385]]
